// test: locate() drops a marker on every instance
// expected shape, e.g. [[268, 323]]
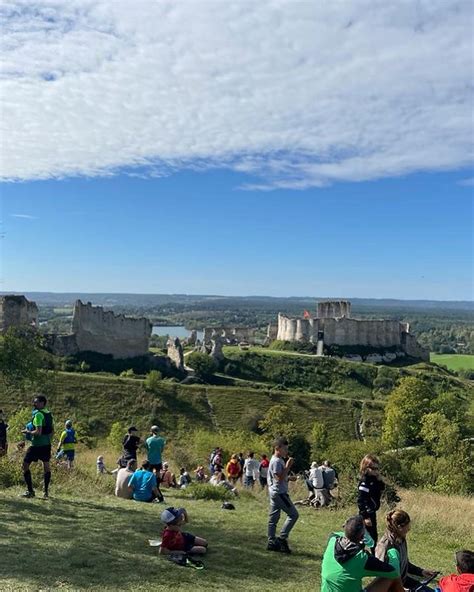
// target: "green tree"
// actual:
[[21, 359], [116, 435], [276, 423], [203, 365], [404, 411], [440, 436]]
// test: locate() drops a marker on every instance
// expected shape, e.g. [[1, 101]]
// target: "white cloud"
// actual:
[[295, 93], [24, 216]]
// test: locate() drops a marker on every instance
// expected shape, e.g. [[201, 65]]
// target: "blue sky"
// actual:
[[238, 147], [199, 233]]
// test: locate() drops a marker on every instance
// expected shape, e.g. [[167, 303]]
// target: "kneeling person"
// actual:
[[346, 562], [174, 539]]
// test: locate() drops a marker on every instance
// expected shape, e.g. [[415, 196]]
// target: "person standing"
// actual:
[[263, 470], [154, 446], [130, 443], [250, 470], [67, 443], [3, 435], [278, 476], [40, 449], [369, 494]]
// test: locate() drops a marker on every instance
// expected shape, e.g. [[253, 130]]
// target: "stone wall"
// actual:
[[107, 333], [334, 309], [231, 334], [412, 348], [17, 311]]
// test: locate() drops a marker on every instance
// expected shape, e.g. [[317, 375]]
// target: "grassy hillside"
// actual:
[[454, 361], [91, 541], [331, 375], [98, 401]]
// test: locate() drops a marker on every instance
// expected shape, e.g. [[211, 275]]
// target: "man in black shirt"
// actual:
[[130, 444]]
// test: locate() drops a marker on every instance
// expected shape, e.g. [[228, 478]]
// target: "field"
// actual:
[[91, 541], [454, 361]]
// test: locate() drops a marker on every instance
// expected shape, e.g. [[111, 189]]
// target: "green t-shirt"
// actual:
[[39, 421], [347, 577]]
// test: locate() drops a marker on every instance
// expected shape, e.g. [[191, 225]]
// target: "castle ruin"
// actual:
[[104, 332], [17, 311], [333, 325]]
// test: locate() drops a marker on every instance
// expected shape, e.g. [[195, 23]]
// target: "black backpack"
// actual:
[[48, 423]]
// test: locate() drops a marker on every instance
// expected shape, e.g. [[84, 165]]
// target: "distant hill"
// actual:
[[216, 301]]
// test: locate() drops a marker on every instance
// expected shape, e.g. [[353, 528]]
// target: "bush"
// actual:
[[203, 365], [153, 380], [127, 373], [17, 422], [204, 491], [116, 435]]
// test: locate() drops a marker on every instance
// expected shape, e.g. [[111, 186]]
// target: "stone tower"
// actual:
[[17, 311], [334, 309]]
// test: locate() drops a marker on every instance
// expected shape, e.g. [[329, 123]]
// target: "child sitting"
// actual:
[[463, 581], [174, 539]]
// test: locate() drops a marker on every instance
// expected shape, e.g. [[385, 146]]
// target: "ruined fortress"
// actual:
[[104, 332], [17, 311], [333, 325]]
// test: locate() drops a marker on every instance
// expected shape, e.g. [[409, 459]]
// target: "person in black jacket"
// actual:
[[369, 493], [130, 444]]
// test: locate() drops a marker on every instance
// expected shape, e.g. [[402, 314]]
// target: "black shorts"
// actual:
[[157, 467], [188, 541], [35, 453]]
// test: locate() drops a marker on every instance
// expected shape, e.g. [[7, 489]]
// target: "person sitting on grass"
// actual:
[[200, 474], [346, 561], [218, 480], [167, 478], [184, 478], [144, 485], [174, 539], [398, 525], [463, 581], [123, 475]]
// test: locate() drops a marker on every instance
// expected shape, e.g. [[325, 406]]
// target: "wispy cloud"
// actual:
[[296, 94], [25, 216], [467, 182]]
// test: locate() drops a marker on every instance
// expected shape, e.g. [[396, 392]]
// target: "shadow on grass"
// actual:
[[84, 543]]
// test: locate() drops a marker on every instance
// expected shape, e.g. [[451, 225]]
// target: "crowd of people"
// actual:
[[350, 555]]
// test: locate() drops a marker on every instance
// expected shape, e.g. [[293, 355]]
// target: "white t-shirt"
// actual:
[[251, 467]]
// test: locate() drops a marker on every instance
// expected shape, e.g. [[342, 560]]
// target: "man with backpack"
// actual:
[[40, 449], [67, 444]]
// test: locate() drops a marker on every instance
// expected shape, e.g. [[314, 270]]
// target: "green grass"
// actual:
[[454, 361], [87, 542], [103, 400]]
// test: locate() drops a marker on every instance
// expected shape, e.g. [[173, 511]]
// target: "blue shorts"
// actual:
[[188, 541], [69, 454]]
